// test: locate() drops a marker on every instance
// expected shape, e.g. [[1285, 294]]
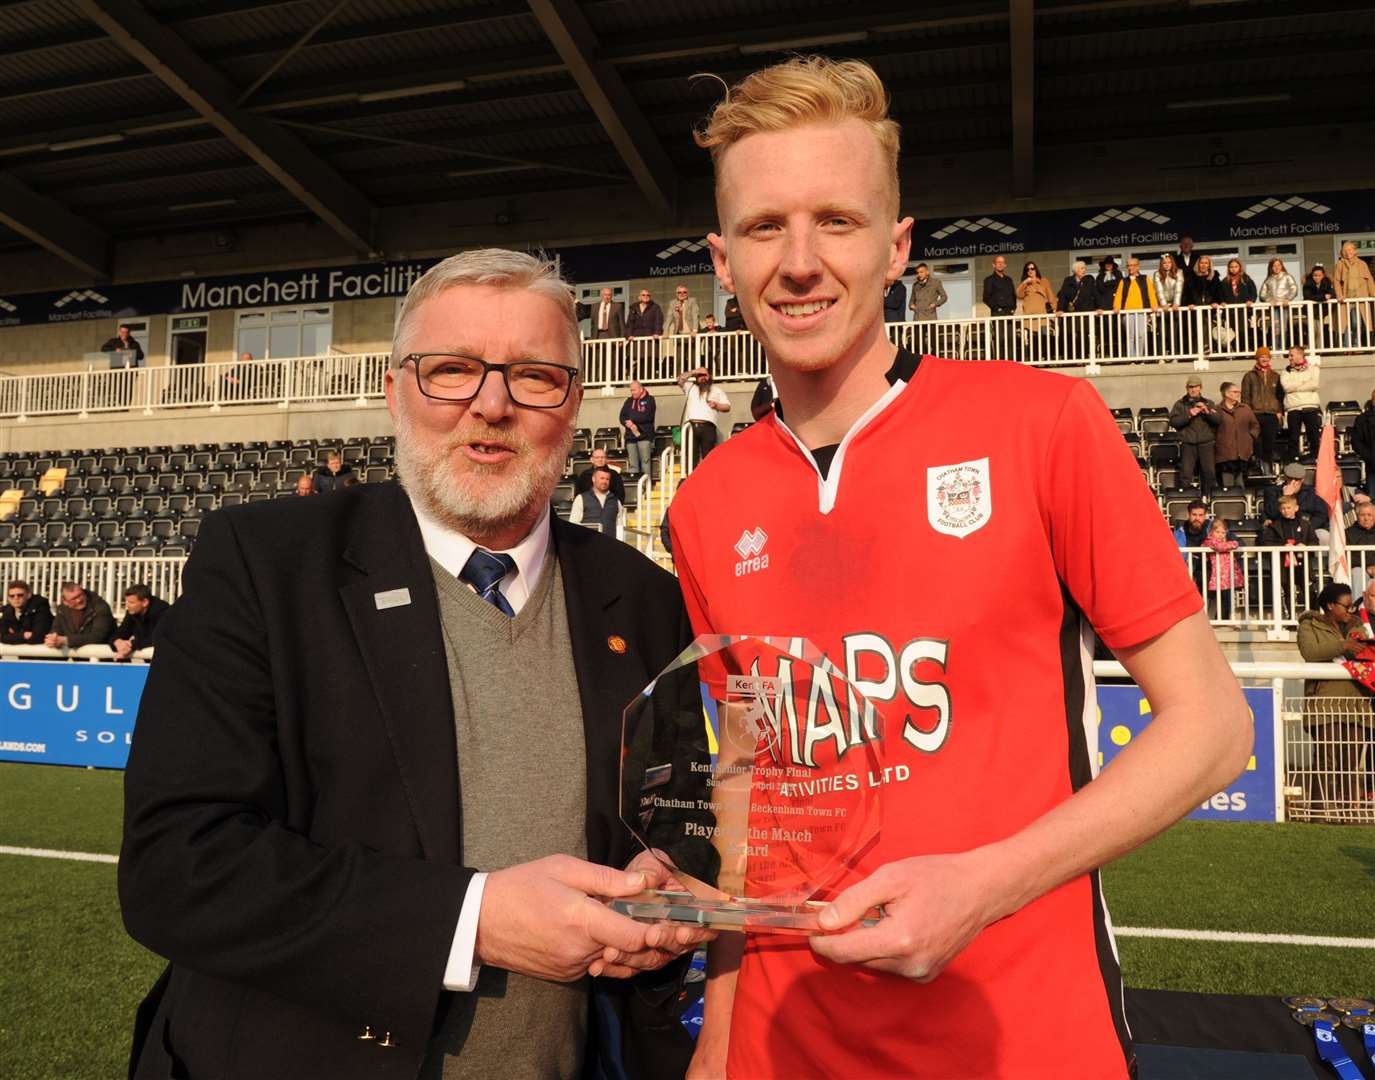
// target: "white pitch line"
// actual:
[[1255, 939], [49, 853]]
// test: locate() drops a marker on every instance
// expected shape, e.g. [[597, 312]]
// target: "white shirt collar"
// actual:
[[451, 549]]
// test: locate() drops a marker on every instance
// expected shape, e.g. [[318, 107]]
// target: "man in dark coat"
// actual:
[[296, 839], [999, 293], [895, 302], [142, 613], [25, 618], [1311, 506], [330, 476], [82, 619], [1196, 420]]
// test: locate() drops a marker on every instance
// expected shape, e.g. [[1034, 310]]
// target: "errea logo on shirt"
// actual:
[[750, 548]]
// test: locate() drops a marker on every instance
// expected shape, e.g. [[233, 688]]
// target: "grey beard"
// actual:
[[446, 498]]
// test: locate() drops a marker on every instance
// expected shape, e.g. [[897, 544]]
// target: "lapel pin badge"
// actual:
[[616, 643], [391, 598]]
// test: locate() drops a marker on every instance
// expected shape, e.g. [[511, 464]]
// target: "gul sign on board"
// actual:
[[54, 713], [1124, 712]]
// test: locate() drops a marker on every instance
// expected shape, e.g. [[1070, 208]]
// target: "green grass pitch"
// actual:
[[71, 978]]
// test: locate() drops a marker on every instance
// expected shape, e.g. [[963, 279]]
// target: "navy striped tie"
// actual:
[[484, 571]]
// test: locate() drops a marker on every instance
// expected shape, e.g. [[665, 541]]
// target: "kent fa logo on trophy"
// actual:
[[958, 497]]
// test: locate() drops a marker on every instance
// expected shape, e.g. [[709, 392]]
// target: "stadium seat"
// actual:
[[1233, 505], [1177, 503]]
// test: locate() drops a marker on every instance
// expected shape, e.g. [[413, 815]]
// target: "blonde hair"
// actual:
[[490, 266], [1288, 500], [803, 90]]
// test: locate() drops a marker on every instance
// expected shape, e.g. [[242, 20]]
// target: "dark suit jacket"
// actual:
[[292, 830], [615, 319]]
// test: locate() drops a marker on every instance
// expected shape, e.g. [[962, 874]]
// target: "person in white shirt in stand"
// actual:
[[598, 507], [704, 401]]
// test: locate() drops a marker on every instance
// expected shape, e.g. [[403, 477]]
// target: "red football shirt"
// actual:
[[972, 525]]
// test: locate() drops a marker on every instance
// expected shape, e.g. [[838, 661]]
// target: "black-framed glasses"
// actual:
[[534, 384]]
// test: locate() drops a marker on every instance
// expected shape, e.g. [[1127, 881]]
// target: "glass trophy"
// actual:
[[751, 769]]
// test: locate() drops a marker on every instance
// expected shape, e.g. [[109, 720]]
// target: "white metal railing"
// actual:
[[1089, 340], [81, 652], [1329, 755], [1272, 586], [105, 577]]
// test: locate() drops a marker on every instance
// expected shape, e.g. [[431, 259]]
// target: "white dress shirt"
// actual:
[[451, 550], [604, 316]]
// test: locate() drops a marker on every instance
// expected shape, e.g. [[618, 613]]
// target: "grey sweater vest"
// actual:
[[523, 785]]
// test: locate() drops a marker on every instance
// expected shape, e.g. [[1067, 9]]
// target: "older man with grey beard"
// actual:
[[394, 866]]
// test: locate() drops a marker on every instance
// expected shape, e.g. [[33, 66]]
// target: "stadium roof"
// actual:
[[122, 119]]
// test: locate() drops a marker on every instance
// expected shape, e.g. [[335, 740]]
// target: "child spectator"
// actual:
[[1224, 571]]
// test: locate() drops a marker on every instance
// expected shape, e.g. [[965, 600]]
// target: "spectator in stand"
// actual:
[[1136, 295], [928, 295], [1304, 494], [1190, 533], [1237, 286], [637, 419], [1317, 286], [1261, 390], [1186, 258], [1202, 288], [583, 481], [684, 314], [142, 613], [608, 317], [1078, 292], [305, 485], [703, 401], [645, 323], [1196, 420], [598, 507], [1302, 405], [123, 341], [765, 394], [1337, 712], [1169, 291], [734, 320], [1279, 290], [1289, 528], [330, 476], [1110, 326], [1237, 429], [1363, 442], [349, 480], [1224, 572], [82, 619], [1352, 280], [1361, 534], [1236, 289], [25, 619], [1036, 298], [646, 318], [999, 294], [1365, 606], [245, 380], [895, 302]]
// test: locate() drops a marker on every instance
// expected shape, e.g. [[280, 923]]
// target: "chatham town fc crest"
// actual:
[[958, 500]]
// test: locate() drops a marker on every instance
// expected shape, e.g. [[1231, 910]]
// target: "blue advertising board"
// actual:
[[54, 713], [1124, 712]]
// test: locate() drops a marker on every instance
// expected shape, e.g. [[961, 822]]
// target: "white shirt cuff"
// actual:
[[460, 973]]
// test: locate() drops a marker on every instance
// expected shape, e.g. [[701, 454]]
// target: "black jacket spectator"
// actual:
[[1105, 288], [734, 320], [895, 302], [761, 404], [1318, 292], [1198, 429], [1078, 294], [1000, 294], [326, 481], [1244, 293], [115, 345], [1203, 290], [646, 323], [1311, 508], [1359, 537], [139, 629], [1282, 531], [35, 618], [641, 413], [92, 625]]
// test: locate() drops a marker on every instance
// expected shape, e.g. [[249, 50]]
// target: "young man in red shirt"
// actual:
[[874, 501]]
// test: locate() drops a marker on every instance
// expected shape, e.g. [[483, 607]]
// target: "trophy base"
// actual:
[[741, 916]]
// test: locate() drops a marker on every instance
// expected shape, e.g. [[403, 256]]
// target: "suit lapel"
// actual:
[[394, 613], [607, 679]]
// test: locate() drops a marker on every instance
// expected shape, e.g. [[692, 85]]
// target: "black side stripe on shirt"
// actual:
[[1072, 667]]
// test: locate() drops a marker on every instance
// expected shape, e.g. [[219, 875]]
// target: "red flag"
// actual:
[[1328, 485]]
